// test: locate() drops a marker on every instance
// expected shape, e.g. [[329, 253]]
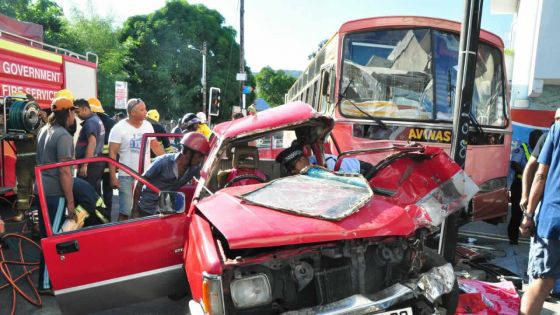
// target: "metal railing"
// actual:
[[52, 48]]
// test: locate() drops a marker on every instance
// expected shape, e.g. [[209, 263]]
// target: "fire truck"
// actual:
[[31, 73]]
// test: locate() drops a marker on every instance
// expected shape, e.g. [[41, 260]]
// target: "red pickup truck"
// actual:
[[312, 243]]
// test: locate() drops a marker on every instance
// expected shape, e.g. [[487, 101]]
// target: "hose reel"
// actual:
[[22, 115]]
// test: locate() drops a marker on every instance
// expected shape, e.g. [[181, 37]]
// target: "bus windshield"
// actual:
[[410, 74]]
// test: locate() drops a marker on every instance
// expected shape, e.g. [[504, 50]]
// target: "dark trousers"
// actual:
[[25, 165], [107, 192], [516, 213], [94, 174], [55, 208]]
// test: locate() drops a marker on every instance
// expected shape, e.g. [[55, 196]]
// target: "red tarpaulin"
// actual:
[[25, 29], [485, 298]]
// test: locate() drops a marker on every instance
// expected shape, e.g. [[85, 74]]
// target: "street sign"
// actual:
[[121, 94], [247, 89], [241, 77]]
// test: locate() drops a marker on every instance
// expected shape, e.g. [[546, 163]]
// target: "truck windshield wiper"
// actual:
[[343, 96]]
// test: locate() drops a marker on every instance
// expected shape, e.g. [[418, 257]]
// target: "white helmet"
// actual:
[[201, 116]]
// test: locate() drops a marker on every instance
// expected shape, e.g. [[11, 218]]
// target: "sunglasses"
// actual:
[[133, 102]]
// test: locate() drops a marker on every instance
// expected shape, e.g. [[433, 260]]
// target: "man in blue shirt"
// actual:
[[544, 255], [169, 172], [90, 144]]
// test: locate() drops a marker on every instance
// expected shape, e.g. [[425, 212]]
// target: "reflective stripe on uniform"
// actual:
[[526, 150], [527, 156]]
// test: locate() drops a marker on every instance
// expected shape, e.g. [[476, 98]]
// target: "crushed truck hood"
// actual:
[[246, 225]]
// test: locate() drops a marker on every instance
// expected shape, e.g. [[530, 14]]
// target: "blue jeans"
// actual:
[[56, 207], [126, 187]]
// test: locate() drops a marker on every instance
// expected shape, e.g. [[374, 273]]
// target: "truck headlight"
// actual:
[[212, 294], [251, 291]]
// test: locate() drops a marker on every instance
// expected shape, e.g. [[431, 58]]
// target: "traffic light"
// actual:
[[214, 101]]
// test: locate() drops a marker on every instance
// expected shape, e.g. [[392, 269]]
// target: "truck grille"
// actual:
[[334, 284]]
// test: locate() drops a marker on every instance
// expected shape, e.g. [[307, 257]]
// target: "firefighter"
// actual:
[[90, 144], [170, 172], [108, 124], [203, 126], [190, 122], [153, 117], [519, 158]]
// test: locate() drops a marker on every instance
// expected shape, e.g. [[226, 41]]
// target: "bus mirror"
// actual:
[[170, 202], [214, 101], [325, 83]]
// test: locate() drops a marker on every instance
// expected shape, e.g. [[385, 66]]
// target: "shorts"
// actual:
[[126, 188], [544, 258]]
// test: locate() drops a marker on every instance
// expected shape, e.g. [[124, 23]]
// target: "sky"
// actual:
[[282, 33]]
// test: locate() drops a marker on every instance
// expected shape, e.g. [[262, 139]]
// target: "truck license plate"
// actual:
[[402, 311]]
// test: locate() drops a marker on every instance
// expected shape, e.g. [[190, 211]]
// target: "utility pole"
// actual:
[[203, 79], [241, 54], [203, 52], [468, 51]]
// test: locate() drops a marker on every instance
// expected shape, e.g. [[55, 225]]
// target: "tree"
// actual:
[[96, 34], [319, 47], [165, 72], [273, 85]]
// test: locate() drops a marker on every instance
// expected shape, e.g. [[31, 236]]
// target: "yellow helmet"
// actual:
[[153, 114], [95, 105], [65, 93]]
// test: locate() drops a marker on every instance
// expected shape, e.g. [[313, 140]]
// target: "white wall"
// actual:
[[525, 29], [547, 58]]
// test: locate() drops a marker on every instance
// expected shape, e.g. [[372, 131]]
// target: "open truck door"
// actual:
[[117, 263]]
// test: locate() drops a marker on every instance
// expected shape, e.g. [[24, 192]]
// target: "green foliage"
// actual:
[[167, 74], [96, 34], [319, 47], [149, 52], [273, 85]]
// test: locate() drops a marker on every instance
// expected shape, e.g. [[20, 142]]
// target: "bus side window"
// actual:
[[315, 94], [324, 97]]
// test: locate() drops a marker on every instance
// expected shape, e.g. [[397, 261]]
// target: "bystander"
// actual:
[[125, 140], [544, 254], [54, 144]]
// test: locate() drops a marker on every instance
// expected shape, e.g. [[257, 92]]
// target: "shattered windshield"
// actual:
[[316, 192], [411, 73]]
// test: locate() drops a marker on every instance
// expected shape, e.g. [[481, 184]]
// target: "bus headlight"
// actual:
[[251, 291], [493, 184]]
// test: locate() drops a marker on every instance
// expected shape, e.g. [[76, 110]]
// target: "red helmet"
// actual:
[[196, 142]]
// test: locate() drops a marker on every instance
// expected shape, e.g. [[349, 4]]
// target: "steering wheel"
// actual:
[[242, 177]]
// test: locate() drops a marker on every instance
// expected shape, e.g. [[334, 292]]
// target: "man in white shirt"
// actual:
[[125, 140]]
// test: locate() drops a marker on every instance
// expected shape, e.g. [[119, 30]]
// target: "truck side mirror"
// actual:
[[214, 101], [171, 202]]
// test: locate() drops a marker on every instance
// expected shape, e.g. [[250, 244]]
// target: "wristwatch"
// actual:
[[527, 214]]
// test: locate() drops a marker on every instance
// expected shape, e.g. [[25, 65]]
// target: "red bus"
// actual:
[[392, 79]]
